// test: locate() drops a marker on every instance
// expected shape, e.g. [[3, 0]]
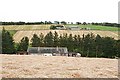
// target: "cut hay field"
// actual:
[[36, 66], [19, 31], [20, 34], [25, 27]]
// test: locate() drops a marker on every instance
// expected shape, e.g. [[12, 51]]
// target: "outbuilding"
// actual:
[[74, 28], [48, 51]]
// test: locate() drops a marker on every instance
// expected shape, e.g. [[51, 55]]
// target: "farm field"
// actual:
[[29, 33], [19, 31], [44, 27], [97, 27], [25, 27], [36, 66]]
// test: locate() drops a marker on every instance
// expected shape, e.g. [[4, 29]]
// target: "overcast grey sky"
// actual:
[[59, 10]]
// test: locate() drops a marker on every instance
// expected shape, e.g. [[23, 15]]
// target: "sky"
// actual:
[[59, 10]]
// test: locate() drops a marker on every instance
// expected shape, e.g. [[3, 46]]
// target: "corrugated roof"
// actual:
[[47, 50]]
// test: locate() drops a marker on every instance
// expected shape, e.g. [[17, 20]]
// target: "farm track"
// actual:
[[29, 33]]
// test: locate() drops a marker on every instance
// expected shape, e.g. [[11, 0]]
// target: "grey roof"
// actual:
[[47, 50], [73, 27]]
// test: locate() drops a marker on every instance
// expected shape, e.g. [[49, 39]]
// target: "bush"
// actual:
[[52, 27]]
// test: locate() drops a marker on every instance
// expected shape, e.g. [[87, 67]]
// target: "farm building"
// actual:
[[60, 27], [50, 51], [74, 28]]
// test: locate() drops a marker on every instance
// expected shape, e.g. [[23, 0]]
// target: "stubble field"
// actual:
[[25, 27], [29, 33], [34, 66]]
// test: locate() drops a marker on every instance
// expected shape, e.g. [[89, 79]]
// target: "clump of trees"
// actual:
[[9, 46], [53, 27], [88, 45], [56, 26]]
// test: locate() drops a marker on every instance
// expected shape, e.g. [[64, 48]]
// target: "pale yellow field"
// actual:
[[20, 34], [25, 27], [36, 66]]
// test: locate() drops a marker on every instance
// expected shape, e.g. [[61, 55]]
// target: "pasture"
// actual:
[[97, 27]]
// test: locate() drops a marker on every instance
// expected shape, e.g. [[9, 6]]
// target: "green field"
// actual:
[[46, 27], [12, 32], [97, 27]]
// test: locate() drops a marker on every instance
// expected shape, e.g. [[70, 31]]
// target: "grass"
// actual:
[[97, 27], [12, 32]]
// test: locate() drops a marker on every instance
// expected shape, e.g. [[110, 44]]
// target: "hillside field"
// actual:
[[36, 66], [19, 31], [25, 27], [20, 34]]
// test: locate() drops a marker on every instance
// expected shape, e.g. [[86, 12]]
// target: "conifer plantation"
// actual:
[[88, 45]]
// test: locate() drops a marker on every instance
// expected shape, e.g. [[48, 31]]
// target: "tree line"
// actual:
[[25, 23], [88, 45], [59, 22]]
